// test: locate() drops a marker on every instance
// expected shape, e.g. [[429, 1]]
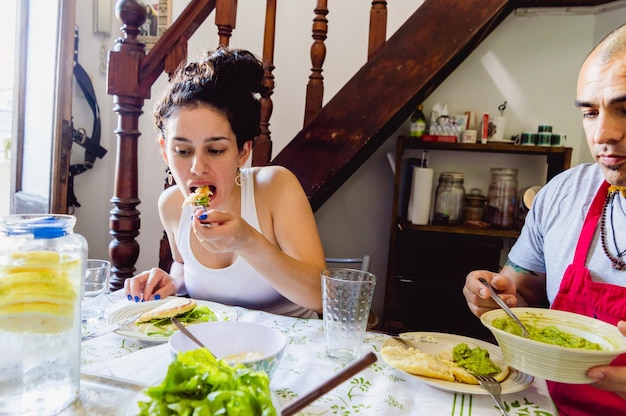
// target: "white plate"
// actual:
[[223, 313], [435, 342]]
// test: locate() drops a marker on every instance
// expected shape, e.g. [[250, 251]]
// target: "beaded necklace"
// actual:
[[617, 262]]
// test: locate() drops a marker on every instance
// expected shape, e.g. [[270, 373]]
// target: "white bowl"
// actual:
[[554, 362], [233, 337]]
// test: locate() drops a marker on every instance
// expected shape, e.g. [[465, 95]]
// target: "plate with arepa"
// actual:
[[422, 353], [144, 329]]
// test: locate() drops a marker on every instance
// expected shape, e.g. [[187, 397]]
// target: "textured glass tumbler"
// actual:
[[347, 299], [95, 288]]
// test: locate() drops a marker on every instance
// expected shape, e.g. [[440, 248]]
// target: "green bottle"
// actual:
[[418, 123]]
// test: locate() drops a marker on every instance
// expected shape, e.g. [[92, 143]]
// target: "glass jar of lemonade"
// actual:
[[42, 264]]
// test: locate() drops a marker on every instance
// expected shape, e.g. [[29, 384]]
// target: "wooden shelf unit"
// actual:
[[423, 292]]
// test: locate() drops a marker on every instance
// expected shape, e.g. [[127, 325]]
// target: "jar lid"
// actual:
[[475, 200], [451, 175], [39, 226], [503, 171]]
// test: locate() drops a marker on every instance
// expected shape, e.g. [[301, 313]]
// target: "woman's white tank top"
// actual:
[[238, 284]]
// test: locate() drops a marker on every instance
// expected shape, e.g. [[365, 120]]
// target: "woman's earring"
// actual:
[[238, 178], [170, 177]]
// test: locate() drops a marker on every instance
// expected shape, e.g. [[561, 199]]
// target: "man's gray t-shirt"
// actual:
[[553, 225]]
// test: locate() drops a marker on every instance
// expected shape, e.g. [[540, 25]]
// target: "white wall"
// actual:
[[531, 62]]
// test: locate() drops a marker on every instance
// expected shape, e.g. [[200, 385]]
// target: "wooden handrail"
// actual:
[[153, 64]]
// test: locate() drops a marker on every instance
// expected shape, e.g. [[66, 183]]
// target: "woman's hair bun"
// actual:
[[236, 70], [227, 80]]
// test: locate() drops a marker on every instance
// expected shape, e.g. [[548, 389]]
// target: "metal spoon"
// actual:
[[504, 306], [191, 336]]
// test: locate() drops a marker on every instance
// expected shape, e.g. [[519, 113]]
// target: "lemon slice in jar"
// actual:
[[37, 294]]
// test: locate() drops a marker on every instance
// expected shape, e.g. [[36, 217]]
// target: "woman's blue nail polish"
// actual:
[[136, 298], [157, 297], [143, 300], [203, 216], [130, 297]]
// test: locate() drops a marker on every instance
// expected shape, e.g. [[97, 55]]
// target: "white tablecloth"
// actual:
[[377, 390]]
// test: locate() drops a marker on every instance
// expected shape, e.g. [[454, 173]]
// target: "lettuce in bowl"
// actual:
[[199, 384]]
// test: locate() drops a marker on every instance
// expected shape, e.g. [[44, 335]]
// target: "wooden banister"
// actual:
[[262, 152], [378, 27], [315, 87], [225, 18], [153, 64]]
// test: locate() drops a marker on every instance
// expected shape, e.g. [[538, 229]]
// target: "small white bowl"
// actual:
[[233, 337], [554, 362]]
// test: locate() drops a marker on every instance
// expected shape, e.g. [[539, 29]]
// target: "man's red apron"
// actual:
[[578, 293]]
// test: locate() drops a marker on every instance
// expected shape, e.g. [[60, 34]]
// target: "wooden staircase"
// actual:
[[384, 92], [338, 137]]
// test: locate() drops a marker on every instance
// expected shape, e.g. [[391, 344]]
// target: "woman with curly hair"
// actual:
[[256, 244]]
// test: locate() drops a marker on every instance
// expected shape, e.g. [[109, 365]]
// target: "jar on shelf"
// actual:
[[474, 207], [502, 208], [449, 199]]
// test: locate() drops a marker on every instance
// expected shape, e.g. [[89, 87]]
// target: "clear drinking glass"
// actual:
[[42, 264], [347, 299], [96, 287]]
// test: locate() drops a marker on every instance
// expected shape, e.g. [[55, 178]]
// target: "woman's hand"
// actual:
[[478, 296], [611, 378], [153, 284], [221, 231]]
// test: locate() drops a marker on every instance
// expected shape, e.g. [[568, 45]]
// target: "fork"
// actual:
[[491, 386]]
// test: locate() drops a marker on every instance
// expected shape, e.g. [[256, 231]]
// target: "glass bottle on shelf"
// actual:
[[418, 123], [502, 208], [449, 199]]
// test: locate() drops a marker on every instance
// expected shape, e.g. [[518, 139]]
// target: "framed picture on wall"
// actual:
[[159, 19]]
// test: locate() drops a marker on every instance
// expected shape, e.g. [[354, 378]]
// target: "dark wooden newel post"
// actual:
[[128, 98]]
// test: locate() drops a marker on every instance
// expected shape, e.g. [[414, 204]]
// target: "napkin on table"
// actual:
[[147, 366]]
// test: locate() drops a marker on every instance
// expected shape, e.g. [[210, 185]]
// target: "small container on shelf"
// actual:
[[475, 208], [502, 208], [449, 199]]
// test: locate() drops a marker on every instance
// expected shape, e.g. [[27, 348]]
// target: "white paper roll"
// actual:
[[421, 189]]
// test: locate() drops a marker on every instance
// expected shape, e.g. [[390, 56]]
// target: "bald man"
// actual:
[[571, 251]]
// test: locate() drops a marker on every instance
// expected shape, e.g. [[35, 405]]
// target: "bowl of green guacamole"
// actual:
[[562, 345]]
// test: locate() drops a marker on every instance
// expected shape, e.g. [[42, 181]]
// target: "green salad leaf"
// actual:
[[164, 326], [197, 384]]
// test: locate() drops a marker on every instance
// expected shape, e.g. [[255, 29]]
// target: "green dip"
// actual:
[[549, 334], [474, 360]]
